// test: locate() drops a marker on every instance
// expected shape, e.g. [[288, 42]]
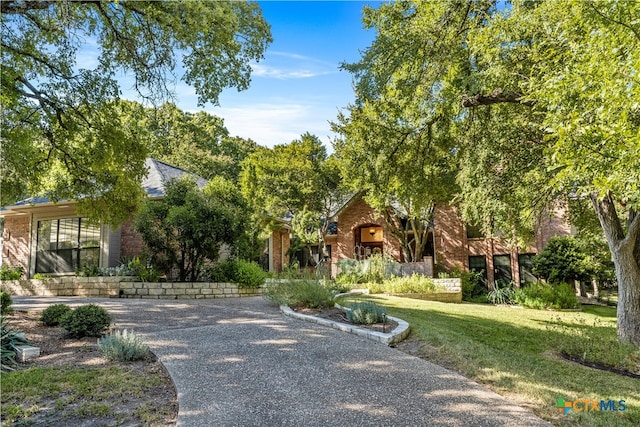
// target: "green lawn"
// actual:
[[515, 352]]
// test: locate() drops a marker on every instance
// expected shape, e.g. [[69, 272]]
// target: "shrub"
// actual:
[[86, 321], [5, 303], [416, 283], [540, 296], [52, 315], [248, 274], [123, 346], [143, 270], [501, 295], [473, 285], [303, 293], [562, 261], [9, 339], [366, 313], [41, 276], [89, 270], [10, 273]]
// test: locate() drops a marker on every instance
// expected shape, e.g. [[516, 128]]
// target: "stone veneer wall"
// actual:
[[114, 287]]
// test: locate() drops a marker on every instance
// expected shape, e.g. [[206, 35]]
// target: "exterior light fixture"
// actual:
[[372, 231]]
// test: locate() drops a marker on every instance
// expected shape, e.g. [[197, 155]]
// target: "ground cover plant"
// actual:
[[518, 353], [70, 384], [299, 293]]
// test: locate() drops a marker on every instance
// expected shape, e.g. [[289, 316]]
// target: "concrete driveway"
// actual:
[[240, 362]]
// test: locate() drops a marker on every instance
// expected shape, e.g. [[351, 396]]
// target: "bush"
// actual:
[[248, 274], [143, 270], [123, 346], [501, 295], [10, 273], [540, 296], [5, 303], [9, 339], [562, 261], [375, 269], [303, 293], [366, 313], [473, 285], [52, 315], [89, 270], [416, 283], [86, 321]]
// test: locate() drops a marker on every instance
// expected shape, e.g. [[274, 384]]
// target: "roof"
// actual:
[[154, 184]]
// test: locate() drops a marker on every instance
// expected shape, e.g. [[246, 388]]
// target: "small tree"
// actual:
[[190, 225], [562, 261]]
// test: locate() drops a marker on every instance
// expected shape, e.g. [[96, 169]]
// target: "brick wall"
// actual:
[[15, 246], [357, 214], [280, 244], [131, 244], [449, 239]]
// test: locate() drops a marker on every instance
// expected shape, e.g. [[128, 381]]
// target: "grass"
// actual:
[[72, 392], [515, 352]]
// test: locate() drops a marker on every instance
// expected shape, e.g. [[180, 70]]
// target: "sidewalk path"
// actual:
[[240, 362]]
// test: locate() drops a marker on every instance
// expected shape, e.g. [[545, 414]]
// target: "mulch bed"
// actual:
[[598, 366]]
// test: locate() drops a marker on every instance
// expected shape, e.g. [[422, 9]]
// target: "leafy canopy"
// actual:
[[64, 131]]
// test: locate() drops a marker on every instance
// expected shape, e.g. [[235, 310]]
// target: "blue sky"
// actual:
[[298, 87]]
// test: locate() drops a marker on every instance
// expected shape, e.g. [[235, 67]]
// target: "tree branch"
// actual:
[[498, 96]]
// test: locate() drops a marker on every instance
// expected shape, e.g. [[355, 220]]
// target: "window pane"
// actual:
[[524, 264], [478, 264], [68, 233], [502, 269], [89, 235]]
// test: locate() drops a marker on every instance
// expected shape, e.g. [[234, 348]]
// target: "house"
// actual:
[[50, 238], [357, 232]]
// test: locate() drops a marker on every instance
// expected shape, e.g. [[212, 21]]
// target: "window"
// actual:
[[524, 264], [478, 264], [474, 232], [502, 269], [66, 244]]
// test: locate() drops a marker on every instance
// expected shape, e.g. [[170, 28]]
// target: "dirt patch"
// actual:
[[338, 315], [159, 401]]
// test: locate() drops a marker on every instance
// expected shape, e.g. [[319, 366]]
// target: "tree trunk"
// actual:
[[624, 249], [596, 288]]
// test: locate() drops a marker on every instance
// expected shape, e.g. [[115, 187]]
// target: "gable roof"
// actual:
[[159, 173], [154, 184]]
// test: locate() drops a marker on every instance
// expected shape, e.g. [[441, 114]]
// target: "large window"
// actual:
[[66, 244], [502, 270], [525, 261], [478, 264]]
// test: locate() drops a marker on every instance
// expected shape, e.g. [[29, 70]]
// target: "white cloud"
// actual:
[[270, 124], [260, 70]]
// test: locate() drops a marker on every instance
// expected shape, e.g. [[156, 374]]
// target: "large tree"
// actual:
[[295, 181], [197, 142], [544, 104], [62, 131]]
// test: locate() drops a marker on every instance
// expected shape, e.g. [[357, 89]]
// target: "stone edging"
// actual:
[[397, 335]]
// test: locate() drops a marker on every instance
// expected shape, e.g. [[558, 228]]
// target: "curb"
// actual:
[[397, 335]]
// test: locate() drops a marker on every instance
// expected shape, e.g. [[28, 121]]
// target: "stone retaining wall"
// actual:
[[454, 297], [114, 287]]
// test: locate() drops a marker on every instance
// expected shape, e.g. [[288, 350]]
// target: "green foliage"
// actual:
[[10, 339], [249, 274], [594, 342], [366, 313], [299, 293], [244, 273], [297, 181], [416, 283], [473, 285], [52, 315], [89, 270], [5, 303], [539, 107], [86, 321], [375, 269], [143, 270], [189, 225], [562, 261], [541, 296], [64, 131], [123, 346], [11, 273], [501, 295], [41, 276]]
